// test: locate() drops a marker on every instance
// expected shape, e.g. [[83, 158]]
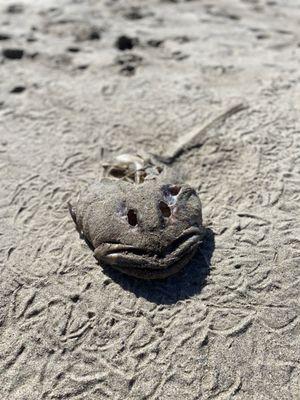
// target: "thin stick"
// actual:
[[188, 142]]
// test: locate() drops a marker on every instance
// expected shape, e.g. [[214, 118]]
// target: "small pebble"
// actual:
[[83, 66], [88, 33], [4, 36], [134, 13], [154, 42], [73, 49], [94, 35], [125, 42], [13, 54], [18, 89], [16, 8]]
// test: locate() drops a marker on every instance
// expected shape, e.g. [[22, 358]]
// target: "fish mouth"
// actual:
[[145, 264]]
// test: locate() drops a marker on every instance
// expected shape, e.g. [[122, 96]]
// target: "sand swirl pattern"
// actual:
[[80, 76]]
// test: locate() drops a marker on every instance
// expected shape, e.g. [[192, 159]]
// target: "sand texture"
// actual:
[[80, 76]]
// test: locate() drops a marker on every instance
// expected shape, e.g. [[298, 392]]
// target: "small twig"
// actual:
[[188, 142]]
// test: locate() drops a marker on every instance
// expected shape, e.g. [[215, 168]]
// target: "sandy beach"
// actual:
[[79, 78]]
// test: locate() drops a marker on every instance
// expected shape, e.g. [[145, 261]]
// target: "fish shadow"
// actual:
[[185, 284]]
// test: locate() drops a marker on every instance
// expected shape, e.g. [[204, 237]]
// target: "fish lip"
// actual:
[[122, 255]]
